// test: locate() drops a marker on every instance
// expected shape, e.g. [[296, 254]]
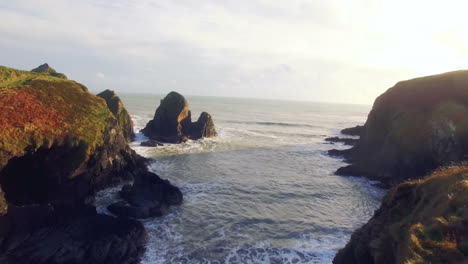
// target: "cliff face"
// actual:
[[172, 122], [421, 221], [58, 145], [413, 128]]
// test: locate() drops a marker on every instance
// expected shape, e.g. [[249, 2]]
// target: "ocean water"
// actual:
[[262, 191]]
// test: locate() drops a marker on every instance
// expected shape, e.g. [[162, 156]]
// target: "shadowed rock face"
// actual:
[[117, 108], [413, 128], [419, 222], [59, 145], [172, 122]]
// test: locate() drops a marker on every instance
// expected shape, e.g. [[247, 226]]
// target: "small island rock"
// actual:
[[172, 122]]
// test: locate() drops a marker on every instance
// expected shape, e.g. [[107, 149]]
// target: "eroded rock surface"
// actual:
[[172, 122]]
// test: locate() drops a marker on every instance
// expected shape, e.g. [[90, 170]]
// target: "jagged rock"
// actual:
[[346, 141], [117, 108], [353, 131], [415, 127], [172, 122], [60, 144], [204, 127], [151, 143], [419, 222], [149, 196], [46, 69]]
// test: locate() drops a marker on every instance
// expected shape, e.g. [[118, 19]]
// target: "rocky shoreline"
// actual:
[[66, 145], [414, 128]]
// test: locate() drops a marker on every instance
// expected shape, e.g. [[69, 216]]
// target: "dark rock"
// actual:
[[117, 108], [149, 196], [346, 141], [172, 122], [204, 127], [340, 153], [353, 131], [90, 238], [151, 143], [349, 170], [46, 69]]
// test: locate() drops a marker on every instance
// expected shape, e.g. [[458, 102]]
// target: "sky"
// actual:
[[317, 50]]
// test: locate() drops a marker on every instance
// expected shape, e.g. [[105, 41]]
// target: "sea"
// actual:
[[262, 191]]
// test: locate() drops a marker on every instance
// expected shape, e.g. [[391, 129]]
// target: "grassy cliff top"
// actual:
[[424, 93], [429, 217], [40, 110]]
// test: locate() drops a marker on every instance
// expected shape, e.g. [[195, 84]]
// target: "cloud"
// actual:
[[321, 50], [100, 75]]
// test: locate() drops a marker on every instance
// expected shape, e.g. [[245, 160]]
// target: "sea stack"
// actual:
[[118, 110], [413, 128], [172, 122]]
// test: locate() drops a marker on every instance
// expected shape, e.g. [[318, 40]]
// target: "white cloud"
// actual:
[[321, 50], [100, 75]]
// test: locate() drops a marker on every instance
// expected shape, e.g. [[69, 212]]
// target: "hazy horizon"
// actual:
[[319, 51]]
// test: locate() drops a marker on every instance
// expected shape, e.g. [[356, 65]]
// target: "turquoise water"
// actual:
[[263, 190]]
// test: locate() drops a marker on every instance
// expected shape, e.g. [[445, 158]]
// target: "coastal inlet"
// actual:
[[261, 191]]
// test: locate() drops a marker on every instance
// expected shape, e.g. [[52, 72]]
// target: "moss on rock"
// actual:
[[38, 111], [422, 221]]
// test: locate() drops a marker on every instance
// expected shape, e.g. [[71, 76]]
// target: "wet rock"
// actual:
[[346, 141], [149, 196], [353, 131], [172, 122], [151, 143]]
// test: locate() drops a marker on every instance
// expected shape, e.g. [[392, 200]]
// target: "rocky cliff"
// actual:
[[413, 128], [58, 145], [424, 221], [120, 113], [172, 122]]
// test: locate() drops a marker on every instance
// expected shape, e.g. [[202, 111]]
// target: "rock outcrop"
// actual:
[[118, 110], [59, 144], [423, 221], [46, 69], [413, 128], [172, 122]]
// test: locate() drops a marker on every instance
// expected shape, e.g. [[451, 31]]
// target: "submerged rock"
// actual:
[[117, 108], [413, 128], [346, 141], [418, 222], [60, 144], [151, 143], [172, 122]]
